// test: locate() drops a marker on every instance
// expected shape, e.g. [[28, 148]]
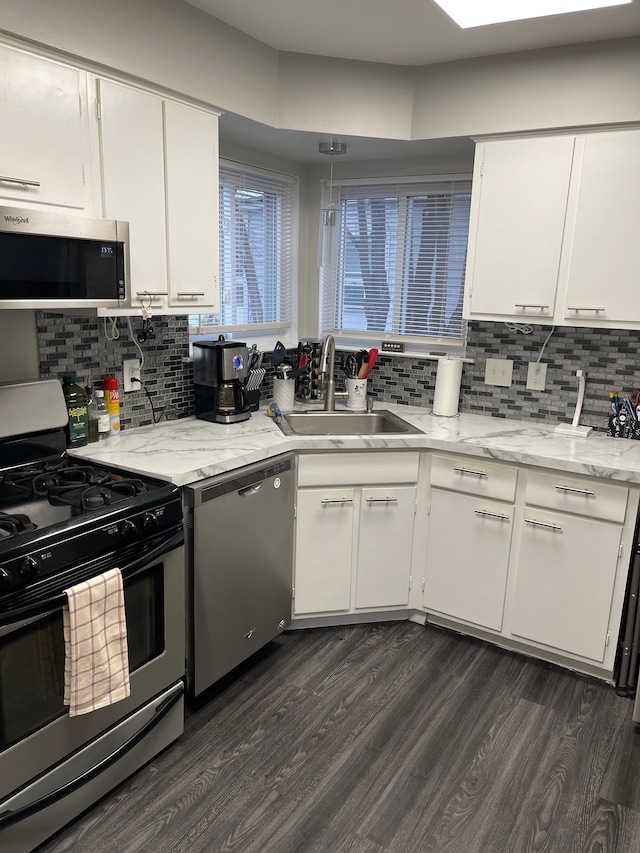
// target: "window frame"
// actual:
[[330, 281], [288, 189]]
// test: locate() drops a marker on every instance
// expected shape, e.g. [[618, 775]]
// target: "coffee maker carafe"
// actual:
[[220, 371]]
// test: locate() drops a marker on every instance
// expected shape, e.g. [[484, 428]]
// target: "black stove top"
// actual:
[[57, 512]]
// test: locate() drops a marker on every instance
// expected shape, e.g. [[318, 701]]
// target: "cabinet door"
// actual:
[[191, 150], [566, 572], [468, 546], [385, 541], [43, 131], [605, 249], [324, 544], [132, 148], [518, 211]]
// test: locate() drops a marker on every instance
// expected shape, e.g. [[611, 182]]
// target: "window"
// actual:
[[393, 264], [258, 257]]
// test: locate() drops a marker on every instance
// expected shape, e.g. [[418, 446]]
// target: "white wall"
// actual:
[[179, 47]]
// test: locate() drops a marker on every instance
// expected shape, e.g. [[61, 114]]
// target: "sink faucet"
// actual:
[[327, 369]]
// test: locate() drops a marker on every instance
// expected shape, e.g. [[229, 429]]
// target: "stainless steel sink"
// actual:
[[345, 423]]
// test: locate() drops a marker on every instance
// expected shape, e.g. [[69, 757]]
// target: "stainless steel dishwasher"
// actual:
[[239, 539]]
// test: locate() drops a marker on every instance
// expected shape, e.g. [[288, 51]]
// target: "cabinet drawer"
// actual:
[[348, 469], [474, 477], [578, 496]]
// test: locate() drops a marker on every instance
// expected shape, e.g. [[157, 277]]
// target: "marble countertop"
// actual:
[[188, 450]]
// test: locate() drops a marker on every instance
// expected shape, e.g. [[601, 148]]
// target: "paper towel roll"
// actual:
[[447, 393], [284, 393]]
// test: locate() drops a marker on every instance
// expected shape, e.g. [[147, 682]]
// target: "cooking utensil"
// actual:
[[371, 360], [351, 367], [303, 361], [279, 354]]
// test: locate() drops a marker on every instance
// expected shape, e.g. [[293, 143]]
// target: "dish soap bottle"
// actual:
[[76, 402], [104, 421]]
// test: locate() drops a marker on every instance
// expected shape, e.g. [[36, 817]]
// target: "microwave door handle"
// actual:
[[164, 705], [55, 602]]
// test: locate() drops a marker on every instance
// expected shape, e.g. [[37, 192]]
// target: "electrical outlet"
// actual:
[[536, 376], [498, 371], [392, 346], [131, 370]]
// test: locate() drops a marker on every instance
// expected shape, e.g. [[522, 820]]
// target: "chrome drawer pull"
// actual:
[[530, 305], [151, 293], [584, 308], [186, 295], [542, 524], [326, 501], [469, 471], [382, 500], [486, 514], [22, 181], [586, 492]]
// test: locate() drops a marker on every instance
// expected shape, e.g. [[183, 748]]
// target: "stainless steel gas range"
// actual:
[[63, 522]]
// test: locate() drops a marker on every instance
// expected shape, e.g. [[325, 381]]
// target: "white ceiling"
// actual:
[[407, 32], [399, 32]]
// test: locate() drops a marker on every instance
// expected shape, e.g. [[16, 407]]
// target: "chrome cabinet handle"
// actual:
[[326, 501], [542, 524], [382, 500], [151, 293], [584, 308], [469, 471], [587, 492], [22, 181], [530, 305], [186, 295], [486, 514]]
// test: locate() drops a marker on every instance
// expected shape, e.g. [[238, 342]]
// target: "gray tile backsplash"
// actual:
[[608, 356], [86, 345]]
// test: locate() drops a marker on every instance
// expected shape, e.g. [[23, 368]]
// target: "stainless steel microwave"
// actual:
[[51, 260]]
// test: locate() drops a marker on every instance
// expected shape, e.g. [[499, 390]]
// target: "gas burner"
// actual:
[[104, 493], [12, 524]]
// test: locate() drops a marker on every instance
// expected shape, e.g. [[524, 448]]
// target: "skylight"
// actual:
[[480, 13]]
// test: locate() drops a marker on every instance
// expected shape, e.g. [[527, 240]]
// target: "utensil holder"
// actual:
[[356, 394]]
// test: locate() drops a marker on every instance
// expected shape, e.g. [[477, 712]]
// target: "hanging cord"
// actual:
[[115, 334], [164, 412], [546, 341], [135, 341], [523, 328]]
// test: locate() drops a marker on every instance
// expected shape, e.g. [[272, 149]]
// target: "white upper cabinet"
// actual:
[[132, 155], [191, 151], [519, 202], [553, 232], [44, 135], [604, 232]]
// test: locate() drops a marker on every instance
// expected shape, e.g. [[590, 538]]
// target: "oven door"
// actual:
[[37, 735]]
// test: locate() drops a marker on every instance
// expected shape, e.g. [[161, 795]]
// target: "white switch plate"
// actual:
[[498, 371], [131, 369], [536, 376]]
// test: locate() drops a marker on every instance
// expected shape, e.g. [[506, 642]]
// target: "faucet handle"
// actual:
[[369, 404]]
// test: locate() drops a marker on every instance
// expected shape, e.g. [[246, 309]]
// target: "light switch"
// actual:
[[498, 371]]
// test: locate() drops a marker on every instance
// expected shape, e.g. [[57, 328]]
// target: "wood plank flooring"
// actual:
[[386, 737]]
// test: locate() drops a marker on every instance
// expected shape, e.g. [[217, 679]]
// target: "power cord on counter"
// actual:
[[167, 411]]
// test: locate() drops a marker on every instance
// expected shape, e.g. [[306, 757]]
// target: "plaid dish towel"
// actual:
[[96, 662]]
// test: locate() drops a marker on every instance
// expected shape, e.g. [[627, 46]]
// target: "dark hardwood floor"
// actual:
[[387, 737]]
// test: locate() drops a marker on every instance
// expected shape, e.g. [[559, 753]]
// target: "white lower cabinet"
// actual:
[[565, 576], [467, 560], [324, 537], [354, 541], [385, 538]]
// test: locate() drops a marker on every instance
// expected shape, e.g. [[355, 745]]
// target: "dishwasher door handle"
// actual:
[[250, 490]]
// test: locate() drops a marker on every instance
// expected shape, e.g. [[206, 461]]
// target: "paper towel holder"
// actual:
[[446, 398]]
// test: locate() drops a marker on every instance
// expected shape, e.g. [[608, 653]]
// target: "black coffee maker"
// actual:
[[220, 371]]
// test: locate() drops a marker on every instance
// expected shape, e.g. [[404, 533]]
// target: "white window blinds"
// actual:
[[258, 251], [393, 264]]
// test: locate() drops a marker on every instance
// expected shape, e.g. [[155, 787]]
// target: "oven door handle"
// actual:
[[54, 602], [10, 816]]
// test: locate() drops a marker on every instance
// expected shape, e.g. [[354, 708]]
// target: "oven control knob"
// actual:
[[128, 530], [5, 579], [149, 522], [28, 568]]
